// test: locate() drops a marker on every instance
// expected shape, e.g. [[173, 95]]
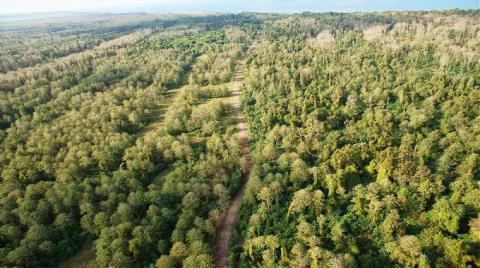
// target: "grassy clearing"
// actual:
[[157, 117], [229, 121], [85, 258]]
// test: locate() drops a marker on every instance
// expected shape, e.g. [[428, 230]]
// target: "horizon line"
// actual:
[[229, 12]]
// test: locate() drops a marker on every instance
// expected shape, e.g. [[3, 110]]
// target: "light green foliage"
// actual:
[[76, 165], [364, 139], [369, 124]]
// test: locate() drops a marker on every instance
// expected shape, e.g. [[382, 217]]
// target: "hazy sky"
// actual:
[[33, 6]]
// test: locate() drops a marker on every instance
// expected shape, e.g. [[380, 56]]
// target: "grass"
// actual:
[[158, 179], [85, 258], [157, 117]]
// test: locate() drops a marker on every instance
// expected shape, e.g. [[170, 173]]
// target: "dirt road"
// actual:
[[230, 217]]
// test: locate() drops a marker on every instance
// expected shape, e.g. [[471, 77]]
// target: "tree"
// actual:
[[447, 215], [407, 251]]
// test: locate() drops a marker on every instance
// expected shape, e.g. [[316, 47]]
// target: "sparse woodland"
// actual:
[[364, 135]]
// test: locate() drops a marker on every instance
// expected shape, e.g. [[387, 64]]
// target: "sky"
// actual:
[[161, 6]]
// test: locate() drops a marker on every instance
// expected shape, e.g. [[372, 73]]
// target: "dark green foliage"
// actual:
[[188, 41]]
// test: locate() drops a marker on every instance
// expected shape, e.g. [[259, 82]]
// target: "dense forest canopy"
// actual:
[[118, 132], [366, 142], [24, 44], [79, 155]]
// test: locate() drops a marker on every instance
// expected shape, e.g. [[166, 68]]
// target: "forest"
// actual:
[[118, 140], [365, 143]]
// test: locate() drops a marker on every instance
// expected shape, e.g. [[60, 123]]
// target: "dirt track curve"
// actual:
[[230, 217]]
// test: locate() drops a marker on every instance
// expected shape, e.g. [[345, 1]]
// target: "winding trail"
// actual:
[[230, 216]]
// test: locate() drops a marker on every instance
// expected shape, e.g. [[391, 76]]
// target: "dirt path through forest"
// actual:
[[230, 217]]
